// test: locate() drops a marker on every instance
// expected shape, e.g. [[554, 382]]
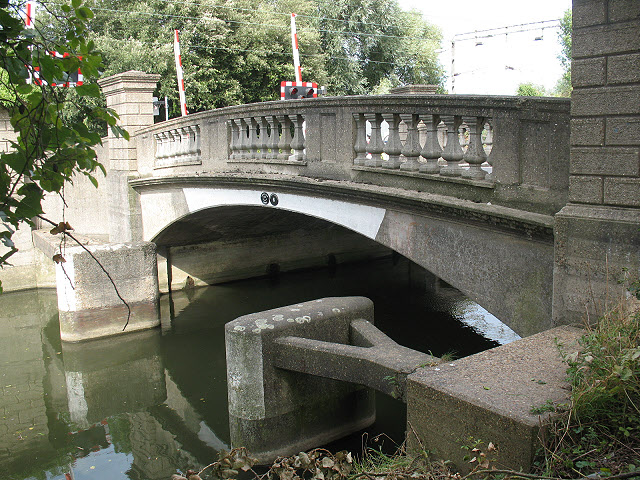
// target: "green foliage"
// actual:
[[235, 53], [49, 148], [600, 434], [371, 43], [563, 87], [531, 90]]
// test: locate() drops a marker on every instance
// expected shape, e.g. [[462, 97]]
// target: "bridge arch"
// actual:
[[504, 264]]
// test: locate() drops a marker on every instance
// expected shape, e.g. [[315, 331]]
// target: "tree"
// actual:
[[371, 42], [563, 87], [531, 90], [234, 53], [50, 148]]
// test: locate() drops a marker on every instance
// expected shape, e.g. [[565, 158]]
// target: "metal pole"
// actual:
[[176, 51], [296, 54]]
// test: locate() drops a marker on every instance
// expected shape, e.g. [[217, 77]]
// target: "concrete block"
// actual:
[[585, 189], [624, 68], [605, 101], [622, 191], [608, 161], [593, 246], [588, 12], [278, 412], [488, 397], [623, 131], [620, 10], [88, 304], [606, 40], [587, 131], [588, 72]]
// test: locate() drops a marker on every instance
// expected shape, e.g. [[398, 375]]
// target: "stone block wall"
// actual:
[[597, 236], [605, 108]]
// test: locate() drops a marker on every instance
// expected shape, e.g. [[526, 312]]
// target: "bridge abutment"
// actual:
[[597, 235]]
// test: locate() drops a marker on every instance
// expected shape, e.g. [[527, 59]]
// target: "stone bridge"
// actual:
[[485, 227]]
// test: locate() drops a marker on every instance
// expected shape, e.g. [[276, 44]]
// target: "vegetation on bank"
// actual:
[[596, 435]]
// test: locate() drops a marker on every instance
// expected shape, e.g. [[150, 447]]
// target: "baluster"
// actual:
[[489, 148], [184, 142], [411, 149], [272, 144], [360, 147], [264, 137], [297, 143], [452, 151], [376, 147], [432, 150], [159, 144], [195, 137], [284, 145], [475, 155], [253, 138], [245, 148], [171, 145], [393, 147], [234, 140]]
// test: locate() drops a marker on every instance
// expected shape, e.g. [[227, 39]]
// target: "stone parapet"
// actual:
[[503, 150]]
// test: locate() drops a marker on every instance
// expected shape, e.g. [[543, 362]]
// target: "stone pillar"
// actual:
[[597, 234], [130, 94], [90, 307]]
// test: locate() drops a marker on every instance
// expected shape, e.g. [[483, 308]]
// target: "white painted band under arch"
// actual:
[[363, 219]]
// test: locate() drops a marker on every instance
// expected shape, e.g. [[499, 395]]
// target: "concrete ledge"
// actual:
[[488, 397]]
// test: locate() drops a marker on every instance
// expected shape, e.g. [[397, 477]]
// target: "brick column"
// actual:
[[598, 231], [130, 94]]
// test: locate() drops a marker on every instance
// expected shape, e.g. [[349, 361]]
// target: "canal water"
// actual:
[[146, 405]]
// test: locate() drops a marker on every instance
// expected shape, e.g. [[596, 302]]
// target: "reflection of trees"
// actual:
[[25, 426]]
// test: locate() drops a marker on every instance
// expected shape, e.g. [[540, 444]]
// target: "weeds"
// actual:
[[600, 433]]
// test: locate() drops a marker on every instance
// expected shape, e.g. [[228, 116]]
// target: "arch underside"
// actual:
[[508, 274]]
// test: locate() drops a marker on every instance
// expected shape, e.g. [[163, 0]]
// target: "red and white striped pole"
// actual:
[[294, 44], [176, 51], [29, 15]]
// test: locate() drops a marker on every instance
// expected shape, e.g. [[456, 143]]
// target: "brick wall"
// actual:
[[605, 107]]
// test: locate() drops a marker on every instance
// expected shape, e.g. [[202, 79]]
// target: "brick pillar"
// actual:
[[598, 231], [130, 94]]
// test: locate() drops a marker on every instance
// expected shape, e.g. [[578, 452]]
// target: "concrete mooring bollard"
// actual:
[[303, 375]]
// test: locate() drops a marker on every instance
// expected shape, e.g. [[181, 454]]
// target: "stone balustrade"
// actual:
[[178, 146], [504, 150]]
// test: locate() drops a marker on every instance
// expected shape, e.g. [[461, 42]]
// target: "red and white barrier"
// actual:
[[176, 51], [74, 79], [296, 52], [29, 15]]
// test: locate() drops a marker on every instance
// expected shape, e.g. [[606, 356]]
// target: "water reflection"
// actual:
[[141, 406]]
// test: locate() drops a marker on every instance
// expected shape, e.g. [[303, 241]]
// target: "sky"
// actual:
[[498, 64]]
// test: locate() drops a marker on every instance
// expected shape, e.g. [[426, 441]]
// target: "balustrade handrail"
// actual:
[[517, 146]]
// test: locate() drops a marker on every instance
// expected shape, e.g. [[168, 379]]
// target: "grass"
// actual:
[[600, 432]]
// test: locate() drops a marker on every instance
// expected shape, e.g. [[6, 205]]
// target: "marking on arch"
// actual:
[[363, 219]]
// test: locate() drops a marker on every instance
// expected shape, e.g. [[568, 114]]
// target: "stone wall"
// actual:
[[597, 237]]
